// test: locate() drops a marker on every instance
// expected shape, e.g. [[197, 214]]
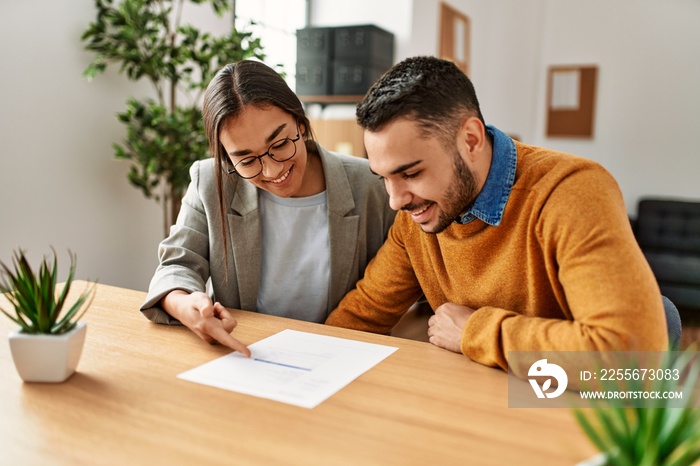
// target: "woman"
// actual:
[[300, 223]]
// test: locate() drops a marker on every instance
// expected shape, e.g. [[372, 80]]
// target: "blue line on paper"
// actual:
[[284, 365]]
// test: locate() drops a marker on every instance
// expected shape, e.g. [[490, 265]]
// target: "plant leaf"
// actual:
[[33, 295]]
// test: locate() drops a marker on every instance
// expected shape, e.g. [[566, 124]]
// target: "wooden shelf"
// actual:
[[344, 136], [331, 99], [338, 135]]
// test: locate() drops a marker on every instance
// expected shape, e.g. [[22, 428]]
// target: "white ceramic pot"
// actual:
[[601, 459], [47, 358]]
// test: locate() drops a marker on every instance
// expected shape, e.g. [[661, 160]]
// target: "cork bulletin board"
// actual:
[[571, 92]]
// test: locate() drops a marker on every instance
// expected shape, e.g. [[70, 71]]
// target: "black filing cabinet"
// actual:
[[344, 60]]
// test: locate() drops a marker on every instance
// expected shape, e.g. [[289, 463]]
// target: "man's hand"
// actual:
[[210, 321], [445, 327]]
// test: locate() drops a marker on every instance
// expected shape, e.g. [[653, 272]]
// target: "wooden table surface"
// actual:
[[125, 406]]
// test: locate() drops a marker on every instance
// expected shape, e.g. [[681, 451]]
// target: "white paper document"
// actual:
[[298, 368]]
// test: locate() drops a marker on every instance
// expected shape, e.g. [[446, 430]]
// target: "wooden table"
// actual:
[[125, 406]]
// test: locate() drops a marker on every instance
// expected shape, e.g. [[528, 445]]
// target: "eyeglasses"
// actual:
[[279, 151]]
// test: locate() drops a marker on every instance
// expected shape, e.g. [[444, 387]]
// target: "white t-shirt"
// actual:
[[295, 268]]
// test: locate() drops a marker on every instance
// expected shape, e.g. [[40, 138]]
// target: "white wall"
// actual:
[[648, 103], [648, 53], [59, 183], [61, 187], [503, 65]]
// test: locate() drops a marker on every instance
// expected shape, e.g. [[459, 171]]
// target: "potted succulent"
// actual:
[[48, 344], [664, 433]]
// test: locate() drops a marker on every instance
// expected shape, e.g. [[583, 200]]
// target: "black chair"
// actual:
[[673, 324], [668, 232]]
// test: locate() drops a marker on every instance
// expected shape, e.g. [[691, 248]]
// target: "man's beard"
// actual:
[[459, 195]]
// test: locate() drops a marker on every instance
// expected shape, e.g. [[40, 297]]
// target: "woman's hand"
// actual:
[[210, 321]]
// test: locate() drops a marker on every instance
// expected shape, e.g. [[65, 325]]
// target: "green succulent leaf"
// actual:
[[650, 436], [37, 307]]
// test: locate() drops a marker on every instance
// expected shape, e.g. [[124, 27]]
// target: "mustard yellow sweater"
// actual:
[[561, 272]]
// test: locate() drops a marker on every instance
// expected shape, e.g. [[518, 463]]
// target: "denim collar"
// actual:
[[491, 201]]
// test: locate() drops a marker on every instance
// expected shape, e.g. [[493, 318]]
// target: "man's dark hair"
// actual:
[[429, 90]]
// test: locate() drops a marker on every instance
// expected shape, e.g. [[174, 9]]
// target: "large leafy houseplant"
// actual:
[[48, 344], [164, 135]]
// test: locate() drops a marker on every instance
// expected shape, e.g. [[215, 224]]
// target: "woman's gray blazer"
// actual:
[[359, 218]]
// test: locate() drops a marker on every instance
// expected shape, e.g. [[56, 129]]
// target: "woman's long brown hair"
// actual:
[[235, 86]]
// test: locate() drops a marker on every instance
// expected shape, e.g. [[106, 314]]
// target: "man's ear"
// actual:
[[473, 134]]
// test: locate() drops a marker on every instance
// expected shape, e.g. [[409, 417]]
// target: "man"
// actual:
[[515, 247]]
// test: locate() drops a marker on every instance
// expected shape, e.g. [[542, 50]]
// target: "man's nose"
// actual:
[[398, 195]]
